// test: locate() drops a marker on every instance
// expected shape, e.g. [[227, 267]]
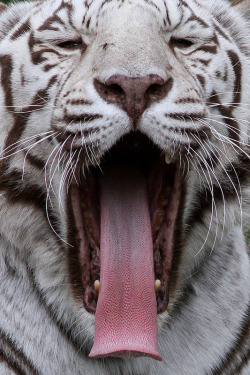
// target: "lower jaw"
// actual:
[[122, 257]]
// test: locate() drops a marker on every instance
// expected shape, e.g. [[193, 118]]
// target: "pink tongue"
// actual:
[[126, 314]]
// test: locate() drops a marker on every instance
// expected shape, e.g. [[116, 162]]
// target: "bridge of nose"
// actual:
[[132, 44]]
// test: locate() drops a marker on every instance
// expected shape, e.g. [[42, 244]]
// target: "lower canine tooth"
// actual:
[[168, 158], [157, 285], [97, 286]]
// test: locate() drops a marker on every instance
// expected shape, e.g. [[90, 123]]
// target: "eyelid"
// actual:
[[178, 39], [70, 43], [181, 42]]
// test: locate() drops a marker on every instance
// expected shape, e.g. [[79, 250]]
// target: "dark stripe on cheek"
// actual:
[[226, 112], [187, 100], [79, 102], [35, 161], [83, 118], [7, 68], [20, 121], [37, 57], [19, 190], [236, 64], [235, 176], [184, 116]]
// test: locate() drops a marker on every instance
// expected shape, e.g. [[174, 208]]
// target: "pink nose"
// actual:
[[134, 94]]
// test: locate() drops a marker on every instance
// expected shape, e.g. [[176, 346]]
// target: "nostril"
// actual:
[[154, 90], [116, 91], [112, 93], [157, 92]]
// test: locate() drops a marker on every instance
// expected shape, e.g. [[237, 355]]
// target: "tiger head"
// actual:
[[124, 155]]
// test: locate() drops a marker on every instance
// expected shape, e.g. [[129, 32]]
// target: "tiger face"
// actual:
[[126, 135]]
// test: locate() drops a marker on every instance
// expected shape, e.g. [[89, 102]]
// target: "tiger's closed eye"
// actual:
[[181, 43], [72, 44]]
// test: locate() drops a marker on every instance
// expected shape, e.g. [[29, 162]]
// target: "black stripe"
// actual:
[[231, 363], [245, 362], [37, 57], [237, 67], [64, 330], [35, 161], [226, 112], [201, 79], [20, 120], [52, 23], [11, 364], [83, 117], [220, 31], [7, 68], [187, 100], [184, 116], [204, 62], [167, 14], [18, 190], [194, 17], [78, 102], [24, 28], [208, 49], [15, 357], [238, 173]]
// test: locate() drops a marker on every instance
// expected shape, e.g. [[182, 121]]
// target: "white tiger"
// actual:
[[124, 172]]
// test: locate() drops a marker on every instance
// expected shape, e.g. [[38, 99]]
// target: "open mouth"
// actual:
[[125, 212]]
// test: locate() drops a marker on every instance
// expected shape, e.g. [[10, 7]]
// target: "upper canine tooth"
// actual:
[[168, 158]]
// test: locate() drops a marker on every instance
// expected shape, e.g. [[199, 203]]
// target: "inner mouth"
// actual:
[[129, 202]]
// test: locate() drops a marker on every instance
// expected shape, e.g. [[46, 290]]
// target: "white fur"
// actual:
[[200, 327]]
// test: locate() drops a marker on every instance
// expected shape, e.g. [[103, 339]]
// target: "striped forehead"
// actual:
[[166, 12], [88, 15]]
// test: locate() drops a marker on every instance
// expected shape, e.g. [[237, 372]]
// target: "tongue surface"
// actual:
[[126, 315]]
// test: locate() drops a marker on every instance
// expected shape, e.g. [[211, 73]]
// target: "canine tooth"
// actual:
[[168, 158], [157, 285], [97, 286]]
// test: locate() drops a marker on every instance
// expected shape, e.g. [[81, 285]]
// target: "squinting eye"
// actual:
[[72, 44], [181, 43]]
